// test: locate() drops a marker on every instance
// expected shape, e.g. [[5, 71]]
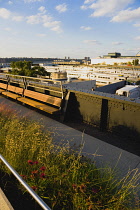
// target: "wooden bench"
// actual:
[[14, 93], [3, 86], [53, 103], [47, 103]]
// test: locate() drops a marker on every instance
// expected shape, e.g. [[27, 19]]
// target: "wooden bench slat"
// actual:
[[3, 85], [15, 89], [38, 105], [44, 98], [11, 95], [1, 90]]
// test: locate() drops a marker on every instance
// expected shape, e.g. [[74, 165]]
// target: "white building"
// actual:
[[111, 61], [132, 91]]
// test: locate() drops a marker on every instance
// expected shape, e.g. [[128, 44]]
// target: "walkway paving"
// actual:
[[4, 203]]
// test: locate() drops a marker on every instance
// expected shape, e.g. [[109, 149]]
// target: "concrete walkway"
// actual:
[[4, 203]]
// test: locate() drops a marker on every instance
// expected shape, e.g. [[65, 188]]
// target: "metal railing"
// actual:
[[31, 80], [26, 186]]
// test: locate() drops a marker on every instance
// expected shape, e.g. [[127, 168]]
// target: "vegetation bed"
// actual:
[[59, 174]]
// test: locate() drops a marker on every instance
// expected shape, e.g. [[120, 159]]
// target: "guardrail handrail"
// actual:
[[28, 188], [32, 78]]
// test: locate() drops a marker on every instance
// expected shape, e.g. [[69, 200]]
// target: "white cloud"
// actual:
[[7, 29], [53, 25], [34, 19], [137, 38], [45, 19], [10, 2], [42, 9], [30, 1], [17, 18], [88, 1], [4, 13], [61, 8], [105, 8], [127, 15], [83, 7], [91, 42], [41, 35], [137, 25], [108, 7], [85, 28], [117, 43]]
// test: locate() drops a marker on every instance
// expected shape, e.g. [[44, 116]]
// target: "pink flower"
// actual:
[[34, 188], [36, 162], [34, 173], [42, 175], [43, 168], [23, 176], [30, 162]]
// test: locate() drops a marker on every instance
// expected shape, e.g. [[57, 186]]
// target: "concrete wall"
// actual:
[[111, 88], [81, 86], [117, 114]]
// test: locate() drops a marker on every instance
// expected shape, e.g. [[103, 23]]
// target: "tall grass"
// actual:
[[62, 177]]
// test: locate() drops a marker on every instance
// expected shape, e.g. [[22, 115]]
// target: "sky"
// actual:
[[69, 28]]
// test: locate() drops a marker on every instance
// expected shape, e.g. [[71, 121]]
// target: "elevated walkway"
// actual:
[[101, 152]]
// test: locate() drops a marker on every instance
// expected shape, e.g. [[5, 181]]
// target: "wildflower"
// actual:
[[30, 162], [74, 186], [43, 168], [34, 173], [63, 175], [82, 188], [42, 175], [23, 176], [36, 162], [90, 207], [34, 188]]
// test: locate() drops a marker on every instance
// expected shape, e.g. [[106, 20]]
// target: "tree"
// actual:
[[21, 68], [129, 63], [24, 68], [38, 70], [135, 62]]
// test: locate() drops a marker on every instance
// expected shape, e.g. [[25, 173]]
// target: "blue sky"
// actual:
[[71, 28]]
